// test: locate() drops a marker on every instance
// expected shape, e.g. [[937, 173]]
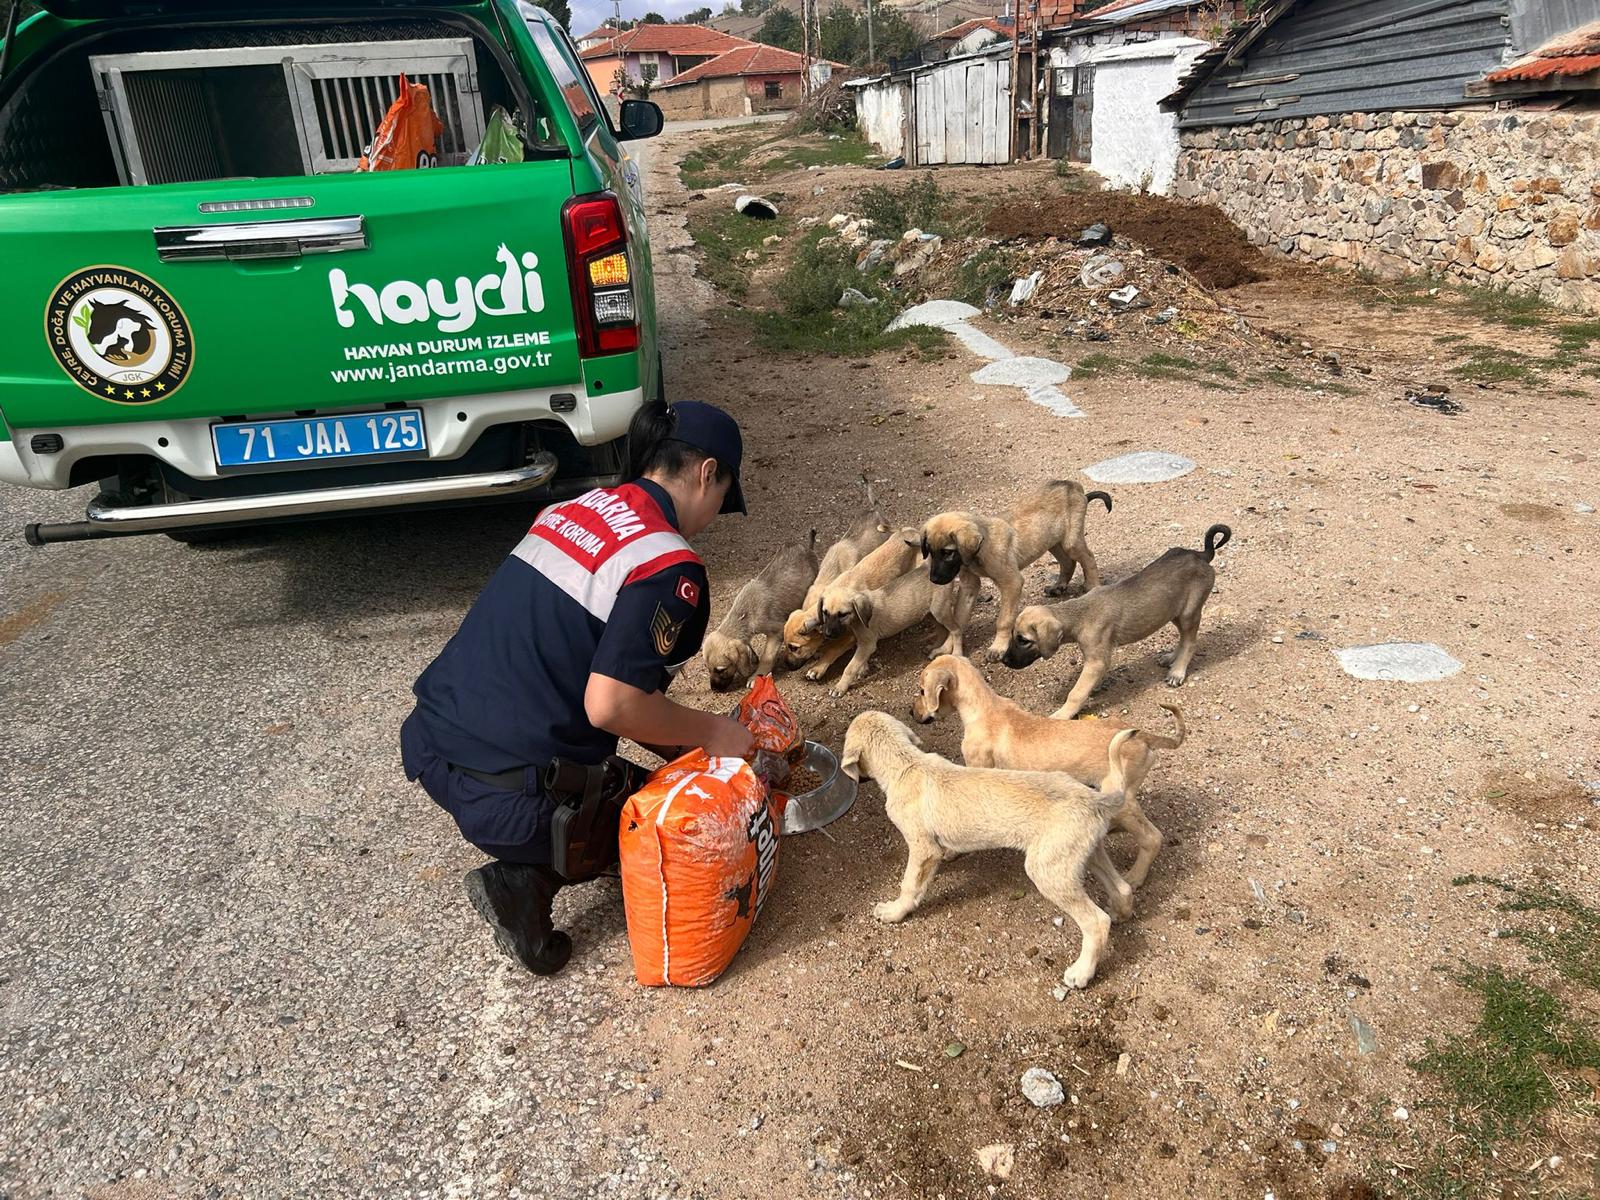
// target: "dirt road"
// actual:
[[1314, 822]]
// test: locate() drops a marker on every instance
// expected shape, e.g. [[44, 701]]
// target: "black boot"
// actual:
[[516, 898]]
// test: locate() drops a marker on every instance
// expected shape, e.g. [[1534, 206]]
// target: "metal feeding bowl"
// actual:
[[826, 802]]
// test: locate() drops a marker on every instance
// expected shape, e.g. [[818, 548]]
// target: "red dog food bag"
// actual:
[[699, 851]]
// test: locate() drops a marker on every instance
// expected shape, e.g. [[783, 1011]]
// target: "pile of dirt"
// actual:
[[1195, 236]]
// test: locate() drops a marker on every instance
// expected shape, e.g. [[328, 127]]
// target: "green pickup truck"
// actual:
[[211, 313]]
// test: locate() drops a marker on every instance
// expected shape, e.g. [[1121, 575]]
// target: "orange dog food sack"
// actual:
[[408, 135], [768, 717], [699, 850]]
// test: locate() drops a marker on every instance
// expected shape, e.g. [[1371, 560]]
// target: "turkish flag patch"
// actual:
[[688, 591]]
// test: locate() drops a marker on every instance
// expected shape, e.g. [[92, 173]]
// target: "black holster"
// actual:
[[589, 800]]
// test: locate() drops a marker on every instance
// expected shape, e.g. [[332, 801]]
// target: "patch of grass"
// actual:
[[1498, 366], [1091, 365], [1075, 178], [724, 237], [917, 204], [848, 149], [1334, 388], [980, 275], [1159, 359], [1220, 368], [1504, 308], [716, 162], [1450, 339], [810, 320], [1565, 938]]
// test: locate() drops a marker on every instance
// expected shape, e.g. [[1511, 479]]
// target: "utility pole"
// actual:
[[872, 50], [805, 48], [1036, 125]]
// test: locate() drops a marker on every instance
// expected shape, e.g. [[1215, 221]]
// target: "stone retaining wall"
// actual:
[[1502, 199]]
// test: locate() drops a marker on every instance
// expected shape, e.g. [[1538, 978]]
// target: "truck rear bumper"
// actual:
[[105, 520]]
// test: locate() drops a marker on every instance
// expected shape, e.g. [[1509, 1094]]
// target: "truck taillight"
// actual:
[[602, 277]]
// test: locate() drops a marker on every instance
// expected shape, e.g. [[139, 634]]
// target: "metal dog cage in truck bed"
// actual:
[[264, 111]]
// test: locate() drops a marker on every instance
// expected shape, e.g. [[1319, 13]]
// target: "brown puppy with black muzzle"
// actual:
[[866, 533], [995, 732], [1052, 519], [758, 611], [886, 611], [1172, 590], [942, 809]]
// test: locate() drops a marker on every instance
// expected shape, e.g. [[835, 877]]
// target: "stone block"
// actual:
[[1574, 264], [1562, 230], [1490, 259], [1441, 175], [1511, 227], [1580, 297]]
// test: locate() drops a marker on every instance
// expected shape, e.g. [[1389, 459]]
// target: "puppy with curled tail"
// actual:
[[1051, 518], [999, 733], [941, 809], [1170, 591]]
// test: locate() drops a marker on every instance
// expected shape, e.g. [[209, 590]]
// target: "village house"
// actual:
[[668, 49], [742, 81], [965, 38], [597, 37], [1458, 139]]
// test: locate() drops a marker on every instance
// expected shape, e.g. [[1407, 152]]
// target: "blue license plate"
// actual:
[[394, 433]]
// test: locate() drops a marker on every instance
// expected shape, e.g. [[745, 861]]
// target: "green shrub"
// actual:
[[917, 204]]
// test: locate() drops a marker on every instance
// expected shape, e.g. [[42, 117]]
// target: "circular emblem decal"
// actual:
[[119, 335]]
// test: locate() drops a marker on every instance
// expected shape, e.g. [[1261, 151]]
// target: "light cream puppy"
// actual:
[[875, 570], [942, 809], [995, 732], [883, 612], [1173, 589], [757, 613], [866, 533], [1051, 518]]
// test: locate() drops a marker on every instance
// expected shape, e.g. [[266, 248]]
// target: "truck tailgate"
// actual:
[[449, 282]]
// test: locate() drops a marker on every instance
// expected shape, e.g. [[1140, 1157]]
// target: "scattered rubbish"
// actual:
[[818, 190], [851, 297], [1329, 1147], [1124, 1061], [1436, 400], [894, 164], [755, 1121], [1098, 234], [1060, 993], [872, 257], [1125, 299], [954, 1050], [838, 221], [1366, 1036], [998, 1160], [1142, 466], [1042, 1089], [937, 314], [1582, 507], [1023, 288], [1165, 315], [758, 208], [1022, 372], [904, 1065], [914, 253], [772, 239], [1403, 662], [1101, 271], [1259, 892], [1400, 1114], [1308, 635]]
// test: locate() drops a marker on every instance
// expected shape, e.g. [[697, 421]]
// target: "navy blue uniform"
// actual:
[[602, 584]]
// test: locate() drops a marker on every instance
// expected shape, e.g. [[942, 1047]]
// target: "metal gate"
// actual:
[[1081, 141], [1059, 137], [962, 112]]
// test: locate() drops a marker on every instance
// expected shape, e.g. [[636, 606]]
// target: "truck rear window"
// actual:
[[151, 106]]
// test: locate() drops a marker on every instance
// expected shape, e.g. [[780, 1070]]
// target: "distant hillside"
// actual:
[[929, 16]]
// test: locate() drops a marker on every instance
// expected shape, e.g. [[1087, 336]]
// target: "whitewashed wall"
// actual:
[[1135, 143], [881, 115]]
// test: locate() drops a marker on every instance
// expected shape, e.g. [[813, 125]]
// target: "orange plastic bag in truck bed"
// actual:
[[699, 849], [408, 135]]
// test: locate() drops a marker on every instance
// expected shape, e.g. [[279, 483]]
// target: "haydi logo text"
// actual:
[[511, 291]]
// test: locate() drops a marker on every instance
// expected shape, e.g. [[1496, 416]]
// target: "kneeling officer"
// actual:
[[570, 646]]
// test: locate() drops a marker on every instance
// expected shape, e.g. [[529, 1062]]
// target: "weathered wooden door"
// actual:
[[961, 112], [1081, 140], [1059, 139]]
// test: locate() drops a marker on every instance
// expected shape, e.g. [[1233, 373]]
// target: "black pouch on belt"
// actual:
[[589, 800]]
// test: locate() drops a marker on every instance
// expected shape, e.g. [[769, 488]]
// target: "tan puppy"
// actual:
[[1171, 590], [1050, 519], [942, 809], [999, 733], [758, 611], [886, 611], [866, 533], [876, 570]]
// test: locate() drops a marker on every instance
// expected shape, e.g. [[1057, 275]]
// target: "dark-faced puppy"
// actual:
[[1171, 590], [758, 613]]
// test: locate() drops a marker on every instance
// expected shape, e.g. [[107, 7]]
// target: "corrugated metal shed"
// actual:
[[1303, 58]]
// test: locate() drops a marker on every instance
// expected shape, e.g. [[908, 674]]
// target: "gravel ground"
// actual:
[[235, 961]]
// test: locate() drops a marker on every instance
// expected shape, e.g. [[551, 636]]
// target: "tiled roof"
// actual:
[[605, 31], [956, 32], [666, 39], [757, 59], [1576, 52]]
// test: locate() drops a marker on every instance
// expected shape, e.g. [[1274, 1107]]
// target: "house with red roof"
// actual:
[[749, 79], [669, 49], [597, 37]]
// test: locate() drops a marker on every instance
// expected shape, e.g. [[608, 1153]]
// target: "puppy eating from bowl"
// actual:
[[995, 732], [942, 809], [758, 611], [879, 613], [869, 530], [1051, 518], [1170, 591]]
